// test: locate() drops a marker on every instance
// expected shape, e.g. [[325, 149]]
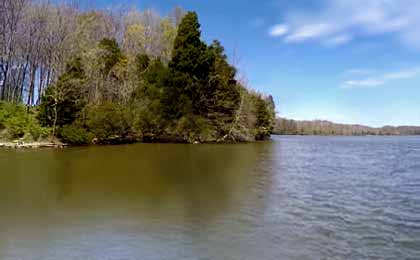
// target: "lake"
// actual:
[[289, 198]]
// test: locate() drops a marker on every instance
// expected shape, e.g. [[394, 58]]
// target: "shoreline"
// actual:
[[60, 145], [32, 145]]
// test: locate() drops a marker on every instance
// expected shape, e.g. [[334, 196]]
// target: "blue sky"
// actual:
[[349, 61]]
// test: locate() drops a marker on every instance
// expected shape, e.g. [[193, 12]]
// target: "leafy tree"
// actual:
[[148, 97], [110, 56], [63, 101]]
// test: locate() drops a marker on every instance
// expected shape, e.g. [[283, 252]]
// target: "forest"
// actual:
[[320, 127], [84, 76]]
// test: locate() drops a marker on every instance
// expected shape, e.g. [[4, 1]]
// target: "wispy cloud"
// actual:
[[337, 40], [364, 83], [340, 21], [278, 30], [381, 79]]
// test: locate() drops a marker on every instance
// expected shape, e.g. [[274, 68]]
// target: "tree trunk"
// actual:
[[31, 87], [3, 89], [41, 83]]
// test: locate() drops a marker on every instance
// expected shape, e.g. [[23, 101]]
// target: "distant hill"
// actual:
[[320, 127]]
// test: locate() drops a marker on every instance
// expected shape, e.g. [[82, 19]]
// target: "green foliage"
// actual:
[[108, 121], [16, 122], [201, 82], [265, 115], [223, 93], [189, 70], [37, 132], [194, 96], [75, 135], [142, 62], [147, 98], [63, 101], [193, 128], [110, 56]]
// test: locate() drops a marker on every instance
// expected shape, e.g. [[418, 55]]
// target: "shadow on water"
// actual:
[[147, 190]]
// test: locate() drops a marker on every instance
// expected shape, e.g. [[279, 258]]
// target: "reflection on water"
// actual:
[[123, 202], [292, 198]]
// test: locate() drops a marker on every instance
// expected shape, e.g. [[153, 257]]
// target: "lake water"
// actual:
[[290, 198]]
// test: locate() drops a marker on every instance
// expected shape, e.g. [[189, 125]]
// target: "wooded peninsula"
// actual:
[[114, 76]]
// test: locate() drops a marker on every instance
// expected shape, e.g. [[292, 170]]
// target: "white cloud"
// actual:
[[337, 40], [340, 21], [407, 74], [364, 83], [279, 30], [310, 31], [379, 80]]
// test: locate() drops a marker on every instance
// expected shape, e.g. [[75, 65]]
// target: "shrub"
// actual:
[[38, 132], [108, 121], [18, 122], [194, 128], [16, 127], [75, 135]]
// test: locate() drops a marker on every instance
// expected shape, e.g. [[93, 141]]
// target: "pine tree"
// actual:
[[189, 70], [224, 90]]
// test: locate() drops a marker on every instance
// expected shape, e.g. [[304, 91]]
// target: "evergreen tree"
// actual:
[[189, 70], [223, 90]]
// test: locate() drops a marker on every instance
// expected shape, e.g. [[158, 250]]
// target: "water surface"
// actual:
[[292, 198]]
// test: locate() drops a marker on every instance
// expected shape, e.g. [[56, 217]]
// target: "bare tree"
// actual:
[[12, 12]]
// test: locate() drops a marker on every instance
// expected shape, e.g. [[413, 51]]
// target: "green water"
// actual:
[[291, 198], [120, 202]]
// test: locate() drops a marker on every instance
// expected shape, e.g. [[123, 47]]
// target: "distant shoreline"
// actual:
[[326, 128], [417, 135]]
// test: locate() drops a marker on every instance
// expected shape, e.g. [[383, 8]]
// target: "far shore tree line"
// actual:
[[320, 127], [106, 76]]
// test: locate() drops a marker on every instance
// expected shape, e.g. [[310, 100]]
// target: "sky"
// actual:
[[348, 61]]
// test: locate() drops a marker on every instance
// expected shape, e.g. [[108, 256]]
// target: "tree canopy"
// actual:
[[132, 77]]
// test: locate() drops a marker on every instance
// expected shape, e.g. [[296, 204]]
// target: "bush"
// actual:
[[194, 128], [18, 122], [75, 135], [108, 121], [16, 127], [38, 132]]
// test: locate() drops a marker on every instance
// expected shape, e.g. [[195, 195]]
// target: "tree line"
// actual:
[[37, 39], [319, 127], [114, 76]]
